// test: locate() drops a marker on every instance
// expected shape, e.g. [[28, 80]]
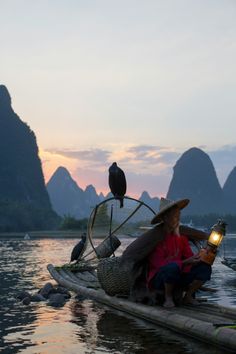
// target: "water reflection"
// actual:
[[111, 331], [82, 325], [86, 315]]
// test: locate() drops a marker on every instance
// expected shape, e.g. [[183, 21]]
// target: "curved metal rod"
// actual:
[[94, 213], [130, 216]]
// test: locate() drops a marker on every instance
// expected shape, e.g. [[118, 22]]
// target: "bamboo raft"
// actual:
[[207, 322]]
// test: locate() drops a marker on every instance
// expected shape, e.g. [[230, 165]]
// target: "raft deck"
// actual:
[[201, 322]]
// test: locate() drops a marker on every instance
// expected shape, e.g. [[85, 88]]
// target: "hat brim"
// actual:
[[181, 204]]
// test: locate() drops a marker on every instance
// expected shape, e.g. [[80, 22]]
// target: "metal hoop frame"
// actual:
[[93, 214]]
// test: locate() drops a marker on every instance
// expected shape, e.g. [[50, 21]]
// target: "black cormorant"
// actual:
[[117, 182], [78, 249]]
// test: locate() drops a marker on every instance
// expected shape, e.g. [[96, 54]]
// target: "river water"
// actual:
[[84, 326]]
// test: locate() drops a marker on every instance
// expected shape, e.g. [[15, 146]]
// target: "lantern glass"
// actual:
[[215, 238]]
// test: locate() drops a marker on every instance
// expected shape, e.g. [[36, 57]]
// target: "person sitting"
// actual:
[[162, 258], [172, 263]]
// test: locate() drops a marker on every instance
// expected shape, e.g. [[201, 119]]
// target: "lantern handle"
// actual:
[[220, 226]]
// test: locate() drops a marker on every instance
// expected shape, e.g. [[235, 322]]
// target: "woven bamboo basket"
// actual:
[[114, 276]]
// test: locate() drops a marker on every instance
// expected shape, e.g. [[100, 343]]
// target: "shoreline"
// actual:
[[42, 234], [51, 234]]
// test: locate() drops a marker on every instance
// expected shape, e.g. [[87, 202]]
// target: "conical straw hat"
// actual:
[[165, 205]]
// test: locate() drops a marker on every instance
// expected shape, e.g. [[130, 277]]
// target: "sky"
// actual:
[[136, 82]]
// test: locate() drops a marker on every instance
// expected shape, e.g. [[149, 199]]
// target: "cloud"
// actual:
[[92, 156], [137, 156], [225, 153], [153, 153], [149, 158]]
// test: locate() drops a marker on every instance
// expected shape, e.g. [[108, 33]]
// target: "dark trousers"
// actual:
[[171, 274]]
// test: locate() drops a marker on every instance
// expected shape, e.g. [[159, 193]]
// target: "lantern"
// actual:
[[208, 254]]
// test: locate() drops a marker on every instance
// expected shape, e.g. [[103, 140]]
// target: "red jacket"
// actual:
[[172, 249]]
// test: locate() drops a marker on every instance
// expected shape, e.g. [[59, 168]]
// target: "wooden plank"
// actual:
[[67, 275], [75, 277], [169, 318], [87, 276], [71, 275], [203, 314], [223, 311]]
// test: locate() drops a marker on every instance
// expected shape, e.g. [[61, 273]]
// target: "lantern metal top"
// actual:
[[220, 227]]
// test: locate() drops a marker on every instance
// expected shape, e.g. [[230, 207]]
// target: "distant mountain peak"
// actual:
[[195, 152], [62, 177], [194, 149], [90, 188], [101, 196], [63, 169], [231, 179], [195, 178], [5, 98], [92, 196], [68, 198], [229, 192], [151, 202], [62, 172], [145, 195]]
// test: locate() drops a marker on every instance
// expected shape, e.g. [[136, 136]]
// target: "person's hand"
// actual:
[[195, 259]]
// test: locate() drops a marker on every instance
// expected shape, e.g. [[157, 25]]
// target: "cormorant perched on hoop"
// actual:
[[77, 251], [117, 183]]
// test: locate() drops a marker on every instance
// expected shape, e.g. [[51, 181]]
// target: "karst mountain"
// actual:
[[68, 198], [24, 201], [195, 178]]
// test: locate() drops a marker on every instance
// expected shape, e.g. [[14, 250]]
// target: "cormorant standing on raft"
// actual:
[[117, 183], [78, 249]]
